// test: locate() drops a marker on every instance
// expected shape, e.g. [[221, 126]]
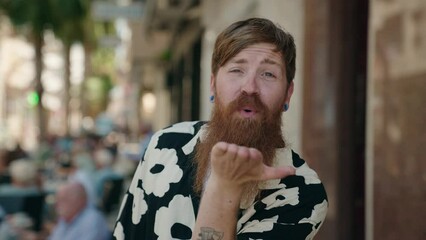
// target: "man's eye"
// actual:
[[235, 70], [269, 75]]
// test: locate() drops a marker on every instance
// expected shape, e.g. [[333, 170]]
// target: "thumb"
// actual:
[[277, 172]]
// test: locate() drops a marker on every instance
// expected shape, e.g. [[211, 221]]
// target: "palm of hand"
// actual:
[[235, 165]]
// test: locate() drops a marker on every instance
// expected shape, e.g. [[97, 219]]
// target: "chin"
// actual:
[[248, 117]]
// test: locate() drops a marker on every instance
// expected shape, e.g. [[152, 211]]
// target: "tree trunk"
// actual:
[[87, 73], [67, 88], [38, 46]]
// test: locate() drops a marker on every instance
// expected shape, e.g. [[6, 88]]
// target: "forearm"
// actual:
[[217, 215], [233, 166]]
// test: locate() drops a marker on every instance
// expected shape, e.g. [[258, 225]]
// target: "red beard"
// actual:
[[263, 133]]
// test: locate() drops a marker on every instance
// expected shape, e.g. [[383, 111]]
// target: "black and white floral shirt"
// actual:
[[160, 202]]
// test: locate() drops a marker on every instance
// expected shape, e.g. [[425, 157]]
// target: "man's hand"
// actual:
[[234, 165]]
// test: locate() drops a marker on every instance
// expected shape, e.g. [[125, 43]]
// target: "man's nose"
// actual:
[[250, 85]]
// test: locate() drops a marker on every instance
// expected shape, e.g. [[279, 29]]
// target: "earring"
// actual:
[[212, 98], [286, 107]]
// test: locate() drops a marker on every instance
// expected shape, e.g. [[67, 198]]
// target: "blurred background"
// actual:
[[79, 75]]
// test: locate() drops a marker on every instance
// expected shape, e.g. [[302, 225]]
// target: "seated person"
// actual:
[[24, 177], [104, 172], [71, 170], [22, 200], [76, 218], [3, 164]]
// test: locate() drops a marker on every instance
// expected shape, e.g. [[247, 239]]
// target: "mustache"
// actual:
[[251, 100]]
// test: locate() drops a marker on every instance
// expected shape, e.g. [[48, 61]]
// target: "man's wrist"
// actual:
[[223, 191]]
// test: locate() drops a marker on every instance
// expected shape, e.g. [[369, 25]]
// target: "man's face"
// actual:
[[250, 91], [256, 71], [67, 205]]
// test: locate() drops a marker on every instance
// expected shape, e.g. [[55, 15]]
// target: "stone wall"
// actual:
[[396, 178]]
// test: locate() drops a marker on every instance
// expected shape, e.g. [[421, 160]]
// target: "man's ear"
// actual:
[[289, 92], [212, 85]]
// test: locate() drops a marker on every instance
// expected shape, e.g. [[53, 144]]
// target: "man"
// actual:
[[24, 179], [77, 218], [106, 179], [234, 177]]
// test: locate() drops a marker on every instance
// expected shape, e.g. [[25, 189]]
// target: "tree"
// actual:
[[32, 18], [72, 25]]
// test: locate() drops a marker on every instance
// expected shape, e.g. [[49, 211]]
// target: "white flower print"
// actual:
[[119, 232], [168, 217], [189, 147], [260, 226], [137, 176], [282, 197], [317, 215], [166, 172], [310, 175], [123, 204], [171, 216], [183, 127], [139, 206]]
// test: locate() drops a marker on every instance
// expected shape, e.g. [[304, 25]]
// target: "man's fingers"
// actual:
[[244, 164], [255, 154], [219, 148], [277, 172]]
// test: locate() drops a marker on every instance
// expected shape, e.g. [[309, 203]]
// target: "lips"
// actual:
[[248, 111], [247, 106]]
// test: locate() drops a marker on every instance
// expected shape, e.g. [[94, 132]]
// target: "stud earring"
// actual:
[[286, 107], [212, 98]]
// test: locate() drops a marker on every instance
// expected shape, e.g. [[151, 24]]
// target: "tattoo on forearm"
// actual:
[[207, 233]]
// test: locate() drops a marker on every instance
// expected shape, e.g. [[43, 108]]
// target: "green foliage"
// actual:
[[30, 16], [96, 93], [166, 55], [72, 9], [103, 62], [71, 22], [71, 18], [104, 29]]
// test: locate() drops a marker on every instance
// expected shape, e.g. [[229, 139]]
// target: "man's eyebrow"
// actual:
[[265, 61], [270, 61], [239, 60], [243, 60]]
